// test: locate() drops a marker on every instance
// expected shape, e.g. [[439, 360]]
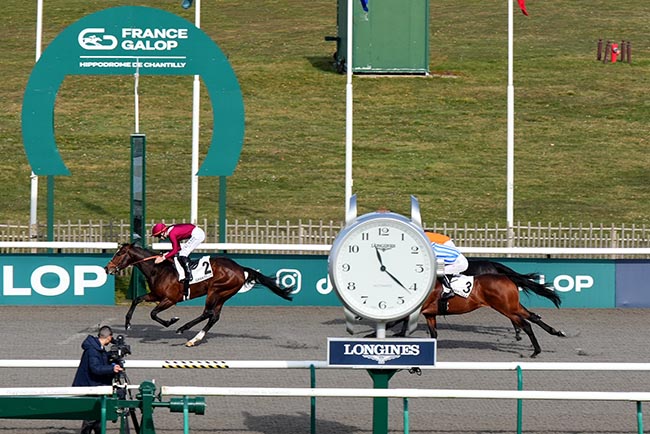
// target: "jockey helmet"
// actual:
[[158, 229]]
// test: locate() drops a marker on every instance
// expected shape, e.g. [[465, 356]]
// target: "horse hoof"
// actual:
[[189, 344], [173, 320], [561, 334], [179, 331]]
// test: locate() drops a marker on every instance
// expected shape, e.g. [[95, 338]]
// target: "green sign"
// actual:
[[56, 280], [125, 41]]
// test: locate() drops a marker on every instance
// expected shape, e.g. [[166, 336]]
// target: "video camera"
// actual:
[[119, 350]]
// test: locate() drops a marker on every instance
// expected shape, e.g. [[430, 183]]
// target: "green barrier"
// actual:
[[104, 408]]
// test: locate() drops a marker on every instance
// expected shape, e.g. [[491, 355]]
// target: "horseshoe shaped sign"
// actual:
[[123, 41]]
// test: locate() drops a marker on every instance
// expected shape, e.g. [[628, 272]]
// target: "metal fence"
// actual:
[[528, 234]]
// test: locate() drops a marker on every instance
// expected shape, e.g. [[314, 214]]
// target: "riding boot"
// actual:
[[443, 304], [185, 263]]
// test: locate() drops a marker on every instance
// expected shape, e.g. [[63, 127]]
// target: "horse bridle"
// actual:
[[118, 268]]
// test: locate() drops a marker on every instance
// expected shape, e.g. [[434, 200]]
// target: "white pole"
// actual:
[[510, 133], [196, 103], [348, 113], [33, 209], [136, 98]]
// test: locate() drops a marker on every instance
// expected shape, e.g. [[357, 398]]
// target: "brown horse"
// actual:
[[499, 292], [228, 278]]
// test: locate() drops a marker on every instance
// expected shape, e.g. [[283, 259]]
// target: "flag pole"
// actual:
[[348, 112], [33, 208], [510, 183], [196, 113]]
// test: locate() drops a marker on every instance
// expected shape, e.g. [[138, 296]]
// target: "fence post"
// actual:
[[312, 383], [520, 403]]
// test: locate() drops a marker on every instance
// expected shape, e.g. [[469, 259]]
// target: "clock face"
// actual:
[[382, 266]]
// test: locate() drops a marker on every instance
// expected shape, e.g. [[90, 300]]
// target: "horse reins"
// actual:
[[118, 268], [145, 259]]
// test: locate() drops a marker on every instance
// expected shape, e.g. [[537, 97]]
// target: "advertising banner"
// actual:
[[381, 353], [80, 279], [56, 280], [632, 281]]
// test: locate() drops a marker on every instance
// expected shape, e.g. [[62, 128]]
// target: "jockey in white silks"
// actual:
[[455, 261]]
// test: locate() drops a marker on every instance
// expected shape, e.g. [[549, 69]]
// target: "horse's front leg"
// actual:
[[136, 301], [163, 305]]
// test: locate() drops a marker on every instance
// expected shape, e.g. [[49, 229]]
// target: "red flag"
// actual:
[[522, 5]]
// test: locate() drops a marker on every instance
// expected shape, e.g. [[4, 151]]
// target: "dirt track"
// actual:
[[613, 335]]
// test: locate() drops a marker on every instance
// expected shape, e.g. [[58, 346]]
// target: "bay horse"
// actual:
[[496, 286], [165, 288]]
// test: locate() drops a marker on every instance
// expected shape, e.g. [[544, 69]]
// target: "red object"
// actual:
[[522, 5], [615, 52], [158, 229]]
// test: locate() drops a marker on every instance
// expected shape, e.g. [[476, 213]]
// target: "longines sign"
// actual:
[[381, 353]]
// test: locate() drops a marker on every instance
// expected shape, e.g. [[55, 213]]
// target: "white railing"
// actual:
[[322, 364], [405, 394], [526, 234], [56, 391], [325, 248]]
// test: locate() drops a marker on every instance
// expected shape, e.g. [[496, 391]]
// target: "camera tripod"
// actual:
[[120, 385]]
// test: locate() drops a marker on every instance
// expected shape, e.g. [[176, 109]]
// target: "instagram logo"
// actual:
[[287, 277]]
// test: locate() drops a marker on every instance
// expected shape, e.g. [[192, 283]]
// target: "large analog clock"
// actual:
[[382, 266]]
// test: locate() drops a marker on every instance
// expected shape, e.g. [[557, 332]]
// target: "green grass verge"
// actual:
[[581, 126]]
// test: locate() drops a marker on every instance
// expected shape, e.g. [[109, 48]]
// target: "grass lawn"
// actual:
[[581, 126]]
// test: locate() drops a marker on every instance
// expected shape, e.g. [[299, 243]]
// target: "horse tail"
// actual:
[[255, 276], [530, 283]]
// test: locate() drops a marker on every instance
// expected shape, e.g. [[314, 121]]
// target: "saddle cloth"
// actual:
[[462, 285], [201, 269]]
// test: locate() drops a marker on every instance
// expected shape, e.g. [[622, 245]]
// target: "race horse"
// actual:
[[165, 288], [496, 286]]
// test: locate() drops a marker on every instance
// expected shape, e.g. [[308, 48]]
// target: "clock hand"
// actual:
[[383, 268], [379, 257], [395, 279]]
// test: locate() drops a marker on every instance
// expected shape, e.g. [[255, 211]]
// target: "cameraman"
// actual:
[[95, 369]]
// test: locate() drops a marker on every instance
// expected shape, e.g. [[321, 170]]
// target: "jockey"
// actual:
[[455, 262], [177, 233]]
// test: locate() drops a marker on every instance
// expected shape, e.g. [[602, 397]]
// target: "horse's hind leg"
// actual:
[[517, 331], [163, 305], [528, 329], [431, 325], [547, 328], [212, 314], [188, 325]]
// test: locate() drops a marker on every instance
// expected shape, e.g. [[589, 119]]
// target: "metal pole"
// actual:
[[520, 403], [33, 209], [312, 384], [406, 416], [348, 112], [196, 105], [136, 97], [510, 134]]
